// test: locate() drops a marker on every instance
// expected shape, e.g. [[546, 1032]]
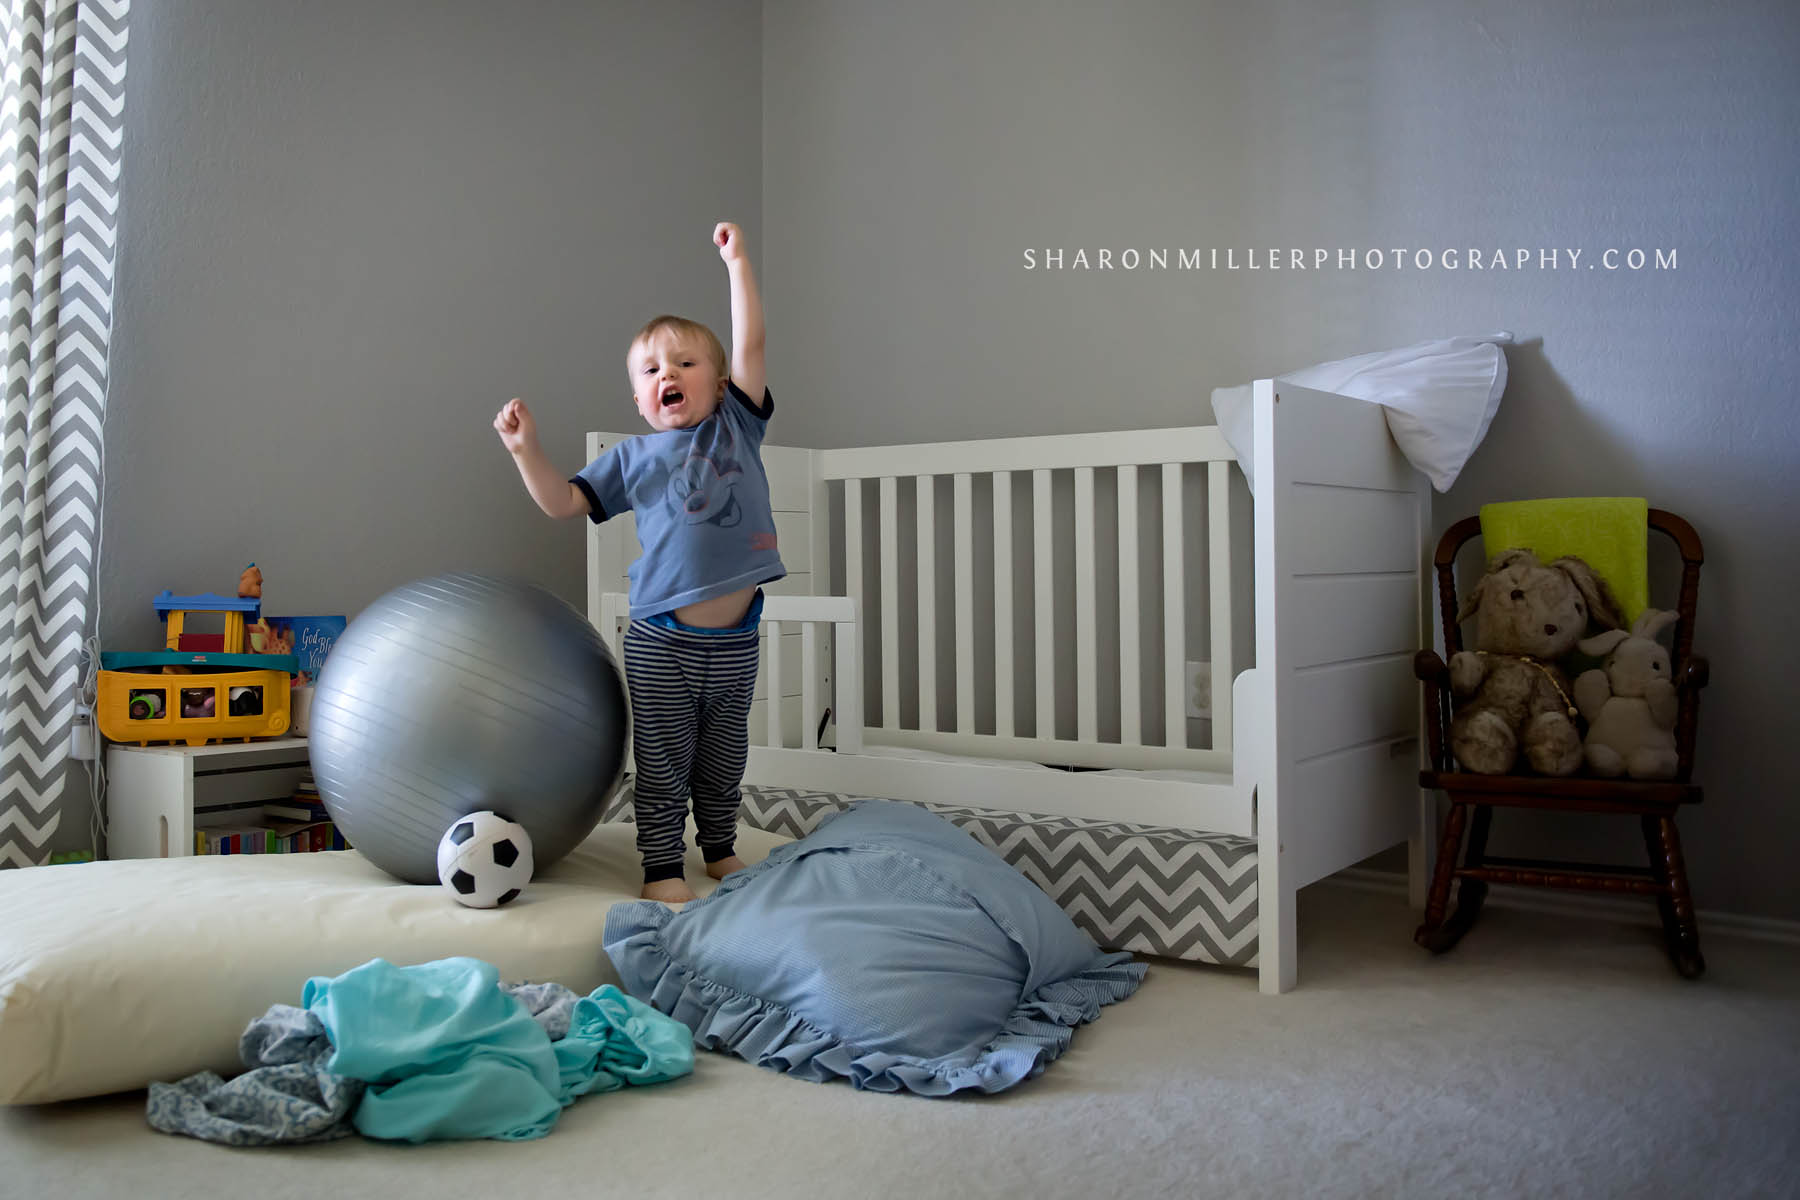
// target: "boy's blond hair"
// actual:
[[685, 331]]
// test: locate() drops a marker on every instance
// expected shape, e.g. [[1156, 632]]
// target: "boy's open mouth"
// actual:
[[672, 398]]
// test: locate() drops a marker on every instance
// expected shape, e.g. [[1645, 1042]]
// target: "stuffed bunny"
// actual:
[[1511, 695], [1630, 702]]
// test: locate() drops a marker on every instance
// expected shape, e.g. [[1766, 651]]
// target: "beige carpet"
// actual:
[[1543, 1057]]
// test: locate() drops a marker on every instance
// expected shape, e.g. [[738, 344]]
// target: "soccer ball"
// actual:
[[484, 860]]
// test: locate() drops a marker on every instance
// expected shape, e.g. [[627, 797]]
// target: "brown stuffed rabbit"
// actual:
[[1511, 695]]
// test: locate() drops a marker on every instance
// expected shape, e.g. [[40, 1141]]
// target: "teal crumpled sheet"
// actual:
[[442, 1050]]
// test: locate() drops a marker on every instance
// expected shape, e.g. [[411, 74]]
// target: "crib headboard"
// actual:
[[1033, 598]]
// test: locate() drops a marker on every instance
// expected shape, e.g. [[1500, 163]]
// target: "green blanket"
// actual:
[[1610, 534]]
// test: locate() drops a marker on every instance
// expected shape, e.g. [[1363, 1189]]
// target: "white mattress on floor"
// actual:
[[117, 974]]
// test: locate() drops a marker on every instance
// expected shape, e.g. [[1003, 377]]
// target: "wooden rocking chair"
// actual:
[[1473, 797]]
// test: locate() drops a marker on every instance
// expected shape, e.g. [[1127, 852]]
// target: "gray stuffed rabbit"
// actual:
[[1629, 701]]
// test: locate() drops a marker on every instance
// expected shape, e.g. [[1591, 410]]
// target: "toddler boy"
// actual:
[[701, 497]]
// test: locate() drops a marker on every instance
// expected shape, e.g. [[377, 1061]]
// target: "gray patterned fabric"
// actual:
[[60, 129], [286, 1097], [1144, 888]]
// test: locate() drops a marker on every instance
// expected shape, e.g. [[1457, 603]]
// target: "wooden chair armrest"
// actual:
[[1435, 675]]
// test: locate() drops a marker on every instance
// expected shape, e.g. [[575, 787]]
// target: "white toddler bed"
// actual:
[[1046, 616]]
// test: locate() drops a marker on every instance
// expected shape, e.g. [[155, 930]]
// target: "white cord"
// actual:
[[90, 676], [98, 825], [96, 766]]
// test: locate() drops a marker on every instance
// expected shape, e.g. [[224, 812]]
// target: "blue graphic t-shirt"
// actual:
[[701, 498]]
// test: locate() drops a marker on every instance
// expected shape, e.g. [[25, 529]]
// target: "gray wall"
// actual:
[[351, 231], [913, 152]]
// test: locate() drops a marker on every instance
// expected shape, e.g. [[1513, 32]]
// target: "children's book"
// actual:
[[295, 811], [307, 638]]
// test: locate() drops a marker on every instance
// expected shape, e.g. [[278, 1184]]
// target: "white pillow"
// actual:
[[115, 974], [1231, 413], [1439, 396]]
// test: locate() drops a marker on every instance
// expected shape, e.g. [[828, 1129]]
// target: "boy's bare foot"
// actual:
[[668, 891], [725, 866]]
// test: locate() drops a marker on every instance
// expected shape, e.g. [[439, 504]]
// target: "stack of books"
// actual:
[[306, 797], [293, 826]]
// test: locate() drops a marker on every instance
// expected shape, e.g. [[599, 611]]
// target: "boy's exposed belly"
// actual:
[[721, 612]]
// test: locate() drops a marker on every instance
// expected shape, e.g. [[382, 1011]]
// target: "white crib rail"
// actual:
[[1076, 667], [809, 612]]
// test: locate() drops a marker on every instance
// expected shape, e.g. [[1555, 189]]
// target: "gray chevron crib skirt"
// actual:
[[1143, 888]]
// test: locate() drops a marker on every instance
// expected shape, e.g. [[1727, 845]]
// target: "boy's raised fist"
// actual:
[[729, 239], [514, 425]]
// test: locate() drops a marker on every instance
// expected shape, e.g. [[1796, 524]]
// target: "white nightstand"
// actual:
[[154, 792]]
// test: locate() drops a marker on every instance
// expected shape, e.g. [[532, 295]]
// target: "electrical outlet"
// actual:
[[1199, 691]]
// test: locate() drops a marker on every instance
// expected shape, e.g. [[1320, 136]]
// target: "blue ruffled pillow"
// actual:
[[887, 947]]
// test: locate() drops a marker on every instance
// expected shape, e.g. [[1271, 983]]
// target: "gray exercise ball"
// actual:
[[461, 693]]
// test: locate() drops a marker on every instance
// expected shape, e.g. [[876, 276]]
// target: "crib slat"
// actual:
[[1174, 612], [925, 501], [772, 639], [809, 693], [964, 517], [1044, 632], [853, 578], [1130, 648], [818, 529], [890, 602], [848, 696], [1004, 722], [1086, 725], [1218, 582]]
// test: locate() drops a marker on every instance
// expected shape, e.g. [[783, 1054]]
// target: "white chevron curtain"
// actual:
[[60, 128]]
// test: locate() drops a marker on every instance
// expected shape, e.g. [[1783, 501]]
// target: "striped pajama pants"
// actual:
[[690, 730]]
